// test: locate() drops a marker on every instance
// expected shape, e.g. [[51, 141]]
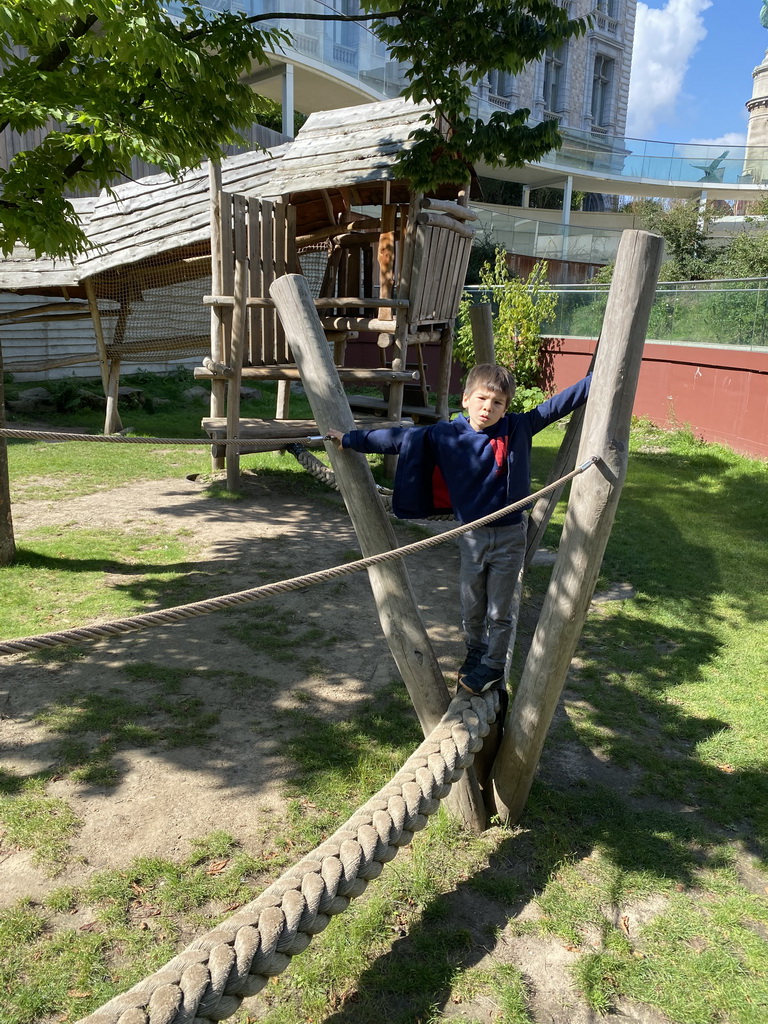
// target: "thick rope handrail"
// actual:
[[267, 444], [210, 978], [181, 613]]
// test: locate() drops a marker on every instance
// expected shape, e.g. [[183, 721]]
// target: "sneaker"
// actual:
[[472, 660], [482, 678]]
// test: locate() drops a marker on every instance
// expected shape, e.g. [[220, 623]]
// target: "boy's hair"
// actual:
[[493, 377]]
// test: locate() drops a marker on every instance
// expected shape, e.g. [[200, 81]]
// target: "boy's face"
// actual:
[[484, 406]]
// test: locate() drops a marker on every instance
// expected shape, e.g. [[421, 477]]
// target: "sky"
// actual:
[[692, 69]]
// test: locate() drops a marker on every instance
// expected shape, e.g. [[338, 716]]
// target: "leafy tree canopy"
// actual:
[[121, 78]]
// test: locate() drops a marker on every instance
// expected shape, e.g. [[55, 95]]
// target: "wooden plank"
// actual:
[[271, 428], [268, 275], [348, 374], [227, 273], [253, 344], [279, 232], [591, 512]]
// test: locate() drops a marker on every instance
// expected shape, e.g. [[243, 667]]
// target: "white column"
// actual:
[[288, 100]]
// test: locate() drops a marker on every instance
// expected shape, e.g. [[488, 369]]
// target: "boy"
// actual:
[[475, 465]]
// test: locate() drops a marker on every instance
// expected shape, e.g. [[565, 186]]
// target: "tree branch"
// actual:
[[56, 57]]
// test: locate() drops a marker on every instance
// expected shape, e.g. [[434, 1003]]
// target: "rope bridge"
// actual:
[[181, 613], [210, 978]]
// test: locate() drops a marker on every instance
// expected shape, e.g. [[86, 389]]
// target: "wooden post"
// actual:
[[112, 420], [590, 515], [7, 541], [481, 319], [445, 366], [565, 460], [238, 343], [395, 602], [218, 387]]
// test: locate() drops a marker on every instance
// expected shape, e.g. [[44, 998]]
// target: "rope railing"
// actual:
[[267, 444], [211, 977], [181, 613]]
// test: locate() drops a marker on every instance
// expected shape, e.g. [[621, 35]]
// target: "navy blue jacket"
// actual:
[[452, 467]]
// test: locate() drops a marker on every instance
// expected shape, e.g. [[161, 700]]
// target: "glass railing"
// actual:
[[659, 161], [353, 51], [722, 312], [545, 240], [346, 48]]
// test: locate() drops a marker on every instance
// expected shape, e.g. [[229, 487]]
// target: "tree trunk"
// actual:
[[590, 515], [7, 543]]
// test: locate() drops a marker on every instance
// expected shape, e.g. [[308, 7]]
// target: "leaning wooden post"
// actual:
[[395, 602], [591, 511]]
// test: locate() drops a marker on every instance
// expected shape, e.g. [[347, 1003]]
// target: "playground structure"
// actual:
[[209, 979], [381, 259], [378, 259]]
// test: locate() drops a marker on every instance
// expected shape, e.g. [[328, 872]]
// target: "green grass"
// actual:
[[643, 850]]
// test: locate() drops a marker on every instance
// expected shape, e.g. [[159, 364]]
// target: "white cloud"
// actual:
[[728, 139], [665, 40]]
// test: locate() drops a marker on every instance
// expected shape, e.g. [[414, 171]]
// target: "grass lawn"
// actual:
[[642, 856]]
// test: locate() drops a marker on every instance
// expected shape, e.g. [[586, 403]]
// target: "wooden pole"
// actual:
[[7, 541], [237, 345], [395, 602], [218, 387], [590, 515], [112, 419], [481, 320]]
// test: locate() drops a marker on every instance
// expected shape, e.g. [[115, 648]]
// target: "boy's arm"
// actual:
[[561, 404], [386, 440]]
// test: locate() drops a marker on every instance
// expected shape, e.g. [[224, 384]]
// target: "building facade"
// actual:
[[582, 84]]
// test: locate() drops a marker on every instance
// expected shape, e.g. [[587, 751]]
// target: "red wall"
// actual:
[[720, 393]]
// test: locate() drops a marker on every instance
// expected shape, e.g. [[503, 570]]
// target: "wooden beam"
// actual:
[[395, 601], [481, 321], [446, 206], [439, 220], [591, 511], [347, 374], [218, 387]]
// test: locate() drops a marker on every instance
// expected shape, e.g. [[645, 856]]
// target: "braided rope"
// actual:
[[211, 977], [267, 444], [183, 612]]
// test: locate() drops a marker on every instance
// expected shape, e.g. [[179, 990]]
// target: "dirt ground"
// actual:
[[165, 798]]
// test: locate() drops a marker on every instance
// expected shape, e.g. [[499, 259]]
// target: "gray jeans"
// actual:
[[491, 560]]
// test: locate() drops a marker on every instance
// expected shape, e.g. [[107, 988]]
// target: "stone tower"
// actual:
[[756, 156]]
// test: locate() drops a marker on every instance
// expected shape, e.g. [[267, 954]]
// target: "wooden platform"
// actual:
[[266, 430], [418, 413]]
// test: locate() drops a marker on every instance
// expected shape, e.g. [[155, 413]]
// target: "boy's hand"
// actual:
[[335, 436]]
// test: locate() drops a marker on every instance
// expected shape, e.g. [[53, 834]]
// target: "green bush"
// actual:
[[522, 307]]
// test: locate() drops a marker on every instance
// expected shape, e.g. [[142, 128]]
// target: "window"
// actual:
[[345, 32], [601, 90], [501, 83], [608, 7], [554, 78]]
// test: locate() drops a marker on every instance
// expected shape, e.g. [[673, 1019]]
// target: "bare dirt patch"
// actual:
[[324, 646]]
